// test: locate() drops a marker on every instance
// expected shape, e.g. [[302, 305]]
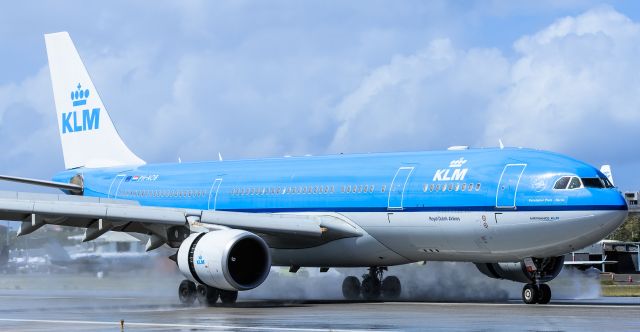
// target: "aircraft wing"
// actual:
[[574, 263], [163, 224]]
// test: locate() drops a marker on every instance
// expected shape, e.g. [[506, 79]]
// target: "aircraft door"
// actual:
[[115, 185], [213, 194], [397, 187], [508, 186]]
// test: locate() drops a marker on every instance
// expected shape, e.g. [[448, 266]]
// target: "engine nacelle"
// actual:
[[228, 259], [549, 268]]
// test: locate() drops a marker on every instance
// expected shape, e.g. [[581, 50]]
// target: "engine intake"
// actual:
[[229, 259], [549, 268]]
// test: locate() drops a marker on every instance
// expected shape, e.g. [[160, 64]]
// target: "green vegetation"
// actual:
[[621, 290], [629, 231]]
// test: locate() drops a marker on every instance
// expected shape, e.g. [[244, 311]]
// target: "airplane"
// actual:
[[514, 212], [99, 262]]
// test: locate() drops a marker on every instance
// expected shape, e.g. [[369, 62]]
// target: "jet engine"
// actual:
[[549, 268], [228, 259]]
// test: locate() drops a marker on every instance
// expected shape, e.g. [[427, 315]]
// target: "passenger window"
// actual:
[[450, 186], [562, 183], [464, 186], [355, 188], [478, 186], [470, 186], [384, 188], [457, 186], [575, 183], [360, 189], [348, 189]]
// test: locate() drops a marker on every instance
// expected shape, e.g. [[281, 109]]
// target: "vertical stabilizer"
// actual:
[[606, 170], [89, 138]]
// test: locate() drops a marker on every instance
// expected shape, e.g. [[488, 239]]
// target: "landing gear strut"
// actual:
[[188, 292], [373, 285]]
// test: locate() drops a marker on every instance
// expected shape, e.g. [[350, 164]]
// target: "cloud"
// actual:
[[574, 88], [427, 100], [250, 81]]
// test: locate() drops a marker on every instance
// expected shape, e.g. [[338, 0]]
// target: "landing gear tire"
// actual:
[[545, 294], [530, 294], [228, 297], [391, 287], [351, 288], [370, 288], [187, 292], [207, 295]]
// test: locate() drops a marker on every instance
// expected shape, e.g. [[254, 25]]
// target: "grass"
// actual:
[[621, 290]]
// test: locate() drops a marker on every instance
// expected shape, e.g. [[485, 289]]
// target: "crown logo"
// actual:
[[457, 163], [79, 97]]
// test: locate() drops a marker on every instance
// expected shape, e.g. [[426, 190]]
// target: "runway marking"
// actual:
[[61, 297], [550, 305], [194, 326]]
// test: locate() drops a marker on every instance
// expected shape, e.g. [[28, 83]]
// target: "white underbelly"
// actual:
[[487, 236]]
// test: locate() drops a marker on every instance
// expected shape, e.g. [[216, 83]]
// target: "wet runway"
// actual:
[[147, 301], [25, 310]]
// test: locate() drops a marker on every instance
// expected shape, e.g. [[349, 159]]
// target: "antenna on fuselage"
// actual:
[[179, 160], [500, 142], [219, 156]]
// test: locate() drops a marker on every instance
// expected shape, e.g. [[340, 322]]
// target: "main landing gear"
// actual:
[[188, 292], [373, 286], [532, 293]]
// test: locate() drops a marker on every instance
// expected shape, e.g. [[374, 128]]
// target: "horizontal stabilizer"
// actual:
[[44, 183]]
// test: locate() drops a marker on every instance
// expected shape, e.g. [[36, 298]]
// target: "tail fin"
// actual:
[[88, 136], [606, 170]]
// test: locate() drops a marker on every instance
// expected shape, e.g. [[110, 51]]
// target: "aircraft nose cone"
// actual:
[[613, 220]]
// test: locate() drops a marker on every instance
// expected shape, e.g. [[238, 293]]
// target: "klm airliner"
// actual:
[[513, 212]]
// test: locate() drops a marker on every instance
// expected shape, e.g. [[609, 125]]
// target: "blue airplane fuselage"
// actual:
[[479, 205]]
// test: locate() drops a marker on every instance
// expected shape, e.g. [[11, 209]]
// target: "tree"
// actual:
[[628, 231]]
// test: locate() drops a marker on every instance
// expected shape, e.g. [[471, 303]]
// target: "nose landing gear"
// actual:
[[373, 286]]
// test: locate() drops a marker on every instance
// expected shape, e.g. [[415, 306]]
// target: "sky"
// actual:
[[252, 79]]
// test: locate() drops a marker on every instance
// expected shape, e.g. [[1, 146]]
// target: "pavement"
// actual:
[[148, 302], [24, 311]]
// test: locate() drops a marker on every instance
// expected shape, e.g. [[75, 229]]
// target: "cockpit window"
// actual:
[[599, 182], [593, 182], [575, 183], [562, 182], [607, 183], [568, 182]]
